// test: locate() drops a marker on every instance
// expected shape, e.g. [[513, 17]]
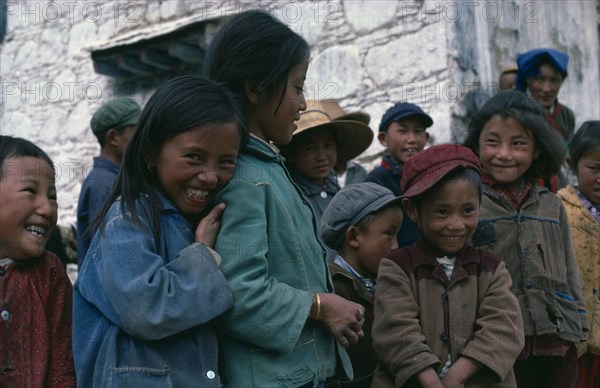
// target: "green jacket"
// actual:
[[535, 243], [274, 263]]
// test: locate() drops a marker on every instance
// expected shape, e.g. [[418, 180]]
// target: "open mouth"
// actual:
[[198, 195], [36, 230]]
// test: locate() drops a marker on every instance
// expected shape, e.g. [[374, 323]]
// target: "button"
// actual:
[[528, 285], [444, 336], [5, 315], [526, 252], [210, 374], [323, 194], [2, 271]]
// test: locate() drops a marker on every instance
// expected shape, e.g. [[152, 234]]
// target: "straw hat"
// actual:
[[336, 112], [353, 135]]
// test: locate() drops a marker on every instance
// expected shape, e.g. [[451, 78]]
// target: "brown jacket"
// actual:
[[362, 355], [535, 243], [421, 317], [585, 233]]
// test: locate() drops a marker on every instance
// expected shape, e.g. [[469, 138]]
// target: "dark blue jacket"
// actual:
[[388, 174], [95, 190]]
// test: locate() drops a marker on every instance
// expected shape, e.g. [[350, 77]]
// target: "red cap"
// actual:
[[423, 170]]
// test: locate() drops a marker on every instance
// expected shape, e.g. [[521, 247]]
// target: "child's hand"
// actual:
[[344, 319], [428, 378], [208, 228]]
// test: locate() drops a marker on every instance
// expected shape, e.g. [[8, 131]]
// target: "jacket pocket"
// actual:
[[140, 377], [566, 315]]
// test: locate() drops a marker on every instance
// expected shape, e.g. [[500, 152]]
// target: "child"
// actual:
[[35, 292], [113, 125], [286, 318], [360, 224], [582, 203], [527, 226], [444, 312], [403, 131], [151, 282], [316, 144]]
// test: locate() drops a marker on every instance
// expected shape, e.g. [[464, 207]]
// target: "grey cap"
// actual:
[[350, 205]]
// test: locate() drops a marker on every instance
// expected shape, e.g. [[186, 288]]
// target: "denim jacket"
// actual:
[[274, 262], [140, 314]]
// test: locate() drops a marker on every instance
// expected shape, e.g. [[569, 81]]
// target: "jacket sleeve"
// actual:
[[397, 334], [61, 370], [573, 275], [148, 298], [500, 325], [267, 313]]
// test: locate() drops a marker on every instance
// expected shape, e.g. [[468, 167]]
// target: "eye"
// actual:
[[441, 212], [29, 190], [469, 210], [227, 162]]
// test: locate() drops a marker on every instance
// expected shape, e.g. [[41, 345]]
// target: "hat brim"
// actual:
[[364, 118], [352, 137], [432, 177]]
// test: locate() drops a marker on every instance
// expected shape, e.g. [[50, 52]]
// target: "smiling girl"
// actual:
[[527, 226], [283, 328], [151, 282]]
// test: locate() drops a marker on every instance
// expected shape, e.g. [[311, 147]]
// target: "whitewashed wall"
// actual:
[[368, 54]]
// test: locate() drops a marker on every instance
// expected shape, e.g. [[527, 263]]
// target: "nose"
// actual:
[[394, 244], [456, 223], [45, 207], [302, 107], [503, 152], [208, 176]]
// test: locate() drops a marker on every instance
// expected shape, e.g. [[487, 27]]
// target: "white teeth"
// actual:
[[38, 230], [197, 194]]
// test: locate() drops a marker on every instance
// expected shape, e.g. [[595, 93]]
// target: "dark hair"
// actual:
[[101, 137], [180, 104], [256, 49], [586, 138], [18, 147], [524, 109], [460, 173]]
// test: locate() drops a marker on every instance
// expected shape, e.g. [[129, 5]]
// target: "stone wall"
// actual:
[[442, 55]]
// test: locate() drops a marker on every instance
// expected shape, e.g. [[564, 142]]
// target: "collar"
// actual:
[[389, 164], [330, 185], [102, 162], [425, 256], [259, 147], [369, 283]]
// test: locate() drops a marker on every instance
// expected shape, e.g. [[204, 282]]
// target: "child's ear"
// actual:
[[250, 90], [111, 137], [410, 209], [382, 137], [536, 153], [351, 236]]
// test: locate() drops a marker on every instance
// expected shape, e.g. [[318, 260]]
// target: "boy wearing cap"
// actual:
[[113, 125], [444, 311], [316, 145], [403, 131], [360, 224]]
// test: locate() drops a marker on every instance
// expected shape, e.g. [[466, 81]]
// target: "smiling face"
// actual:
[[193, 166], [314, 155], [545, 86], [448, 215], [506, 149], [404, 138], [588, 175], [274, 118], [28, 208]]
